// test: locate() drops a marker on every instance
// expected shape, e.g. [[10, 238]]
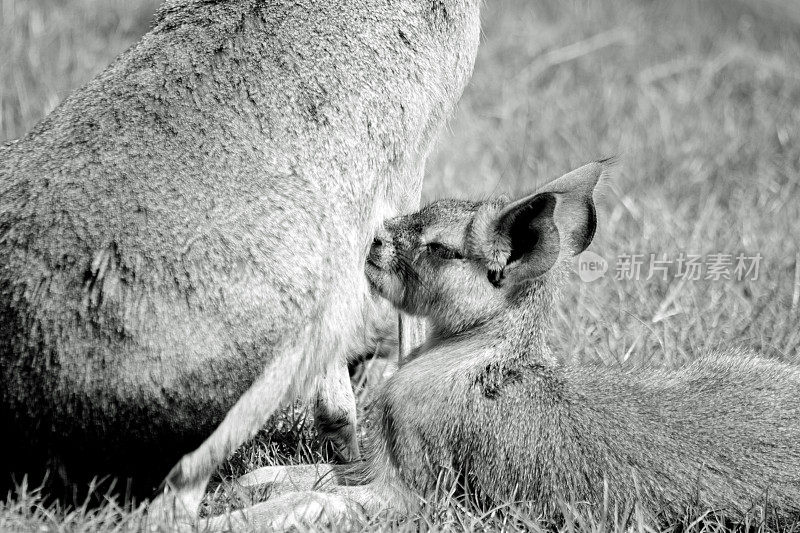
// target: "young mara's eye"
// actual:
[[443, 252]]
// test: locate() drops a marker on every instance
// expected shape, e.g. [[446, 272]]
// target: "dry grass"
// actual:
[[700, 102], [699, 99]]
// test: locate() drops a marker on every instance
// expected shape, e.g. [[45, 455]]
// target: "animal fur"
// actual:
[[191, 225], [487, 409]]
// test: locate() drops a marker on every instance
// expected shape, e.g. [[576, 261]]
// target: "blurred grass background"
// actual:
[[699, 99], [701, 102]]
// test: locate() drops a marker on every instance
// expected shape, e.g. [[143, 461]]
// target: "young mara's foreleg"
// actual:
[[287, 511], [335, 411], [187, 481]]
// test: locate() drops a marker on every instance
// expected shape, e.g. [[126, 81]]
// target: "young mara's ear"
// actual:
[[526, 237], [575, 215]]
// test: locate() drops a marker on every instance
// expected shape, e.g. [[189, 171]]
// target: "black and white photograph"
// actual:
[[399, 266]]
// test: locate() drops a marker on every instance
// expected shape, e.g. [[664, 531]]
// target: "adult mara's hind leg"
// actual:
[[187, 481], [295, 477], [300, 509], [292, 510]]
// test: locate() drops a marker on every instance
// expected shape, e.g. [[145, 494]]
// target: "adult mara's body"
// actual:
[[183, 237]]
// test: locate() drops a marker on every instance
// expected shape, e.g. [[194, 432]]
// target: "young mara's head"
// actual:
[[462, 263]]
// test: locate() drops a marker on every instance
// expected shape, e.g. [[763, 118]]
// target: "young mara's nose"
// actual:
[[382, 249]]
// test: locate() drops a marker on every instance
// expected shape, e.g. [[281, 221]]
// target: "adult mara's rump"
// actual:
[[184, 236]]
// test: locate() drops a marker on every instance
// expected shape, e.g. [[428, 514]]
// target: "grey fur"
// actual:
[[485, 407], [488, 404], [198, 214]]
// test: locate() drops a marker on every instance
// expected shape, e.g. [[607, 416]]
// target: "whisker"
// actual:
[[406, 267]]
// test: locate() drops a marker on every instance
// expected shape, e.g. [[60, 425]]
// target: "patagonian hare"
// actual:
[[182, 239]]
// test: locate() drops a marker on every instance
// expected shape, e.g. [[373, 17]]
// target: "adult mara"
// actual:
[[182, 239]]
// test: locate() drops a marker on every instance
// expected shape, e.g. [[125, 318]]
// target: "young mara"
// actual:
[[488, 406], [182, 240]]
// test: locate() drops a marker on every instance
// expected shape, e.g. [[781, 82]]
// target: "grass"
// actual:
[[700, 101]]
